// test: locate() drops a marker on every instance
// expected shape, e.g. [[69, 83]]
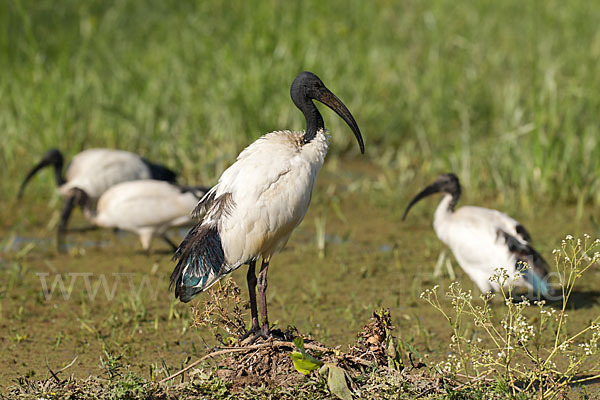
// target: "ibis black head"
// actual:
[[445, 183], [307, 87], [52, 157]]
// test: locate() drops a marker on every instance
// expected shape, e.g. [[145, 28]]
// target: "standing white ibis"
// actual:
[[146, 207], [483, 240], [91, 173], [258, 201]]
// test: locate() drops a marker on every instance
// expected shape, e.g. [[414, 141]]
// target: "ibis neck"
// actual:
[[314, 121], [445, 208], [58, 177], [453, 200]]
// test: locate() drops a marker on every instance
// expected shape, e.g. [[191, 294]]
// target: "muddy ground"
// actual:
[[116, 298]]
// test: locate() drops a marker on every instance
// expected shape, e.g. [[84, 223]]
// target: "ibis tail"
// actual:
[[201, 263], [531, 265]]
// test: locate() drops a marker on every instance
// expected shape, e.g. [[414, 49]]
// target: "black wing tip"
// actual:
[[181, 292], [176, 275], [184, 297], [514, 245], [160, 172], [204, 203], [175, 283], [523, 232], [193, 248]]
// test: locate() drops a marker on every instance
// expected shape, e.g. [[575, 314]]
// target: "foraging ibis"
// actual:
[[91, 173], [483, 240], [146, 207], [258, 201]]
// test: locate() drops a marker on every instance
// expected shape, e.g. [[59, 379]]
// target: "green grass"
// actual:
[[504, 94]]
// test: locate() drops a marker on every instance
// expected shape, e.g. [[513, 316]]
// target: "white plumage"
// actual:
[[483, 240], [95, 170], [270, 186], [91, 173], [472, 233], [146, 207], [258, 201]]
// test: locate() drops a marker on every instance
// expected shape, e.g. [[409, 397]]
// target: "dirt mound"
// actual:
[[287, 365], [269, 362], [284, 366]]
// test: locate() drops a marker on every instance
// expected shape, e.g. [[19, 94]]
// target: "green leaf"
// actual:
[[413, 350], [304, 362], [394, 356], [336, 380]]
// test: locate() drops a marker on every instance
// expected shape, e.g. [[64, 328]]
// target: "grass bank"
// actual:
[[504, 94]]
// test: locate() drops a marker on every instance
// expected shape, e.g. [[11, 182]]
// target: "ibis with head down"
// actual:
[[146, 207], [90, 173], [483, 240], [258, 201]]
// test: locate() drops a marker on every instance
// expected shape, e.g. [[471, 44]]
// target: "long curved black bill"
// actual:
[[39, 166], [428, 191], [331, 101]]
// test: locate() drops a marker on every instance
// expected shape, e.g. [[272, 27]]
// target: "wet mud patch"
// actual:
[[324, 286], [263, 368]]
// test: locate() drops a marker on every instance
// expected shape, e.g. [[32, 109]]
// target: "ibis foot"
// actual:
[[251, 331], [255, 333], [260, 334]]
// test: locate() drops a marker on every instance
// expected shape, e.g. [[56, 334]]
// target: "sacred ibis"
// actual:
[[91, 173], [146, 207], [483, 240], [258, 201]]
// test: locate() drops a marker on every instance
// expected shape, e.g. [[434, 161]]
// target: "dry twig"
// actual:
[[272, 344]]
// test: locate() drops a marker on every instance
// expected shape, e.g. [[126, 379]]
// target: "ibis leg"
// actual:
[[251, 278], [262, 298], [64, 219], [169, 241]]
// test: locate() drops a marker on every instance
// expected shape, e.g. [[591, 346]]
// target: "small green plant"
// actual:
[[129, 386], [20, 337], [112, 364], [526, 346], [122, 382]]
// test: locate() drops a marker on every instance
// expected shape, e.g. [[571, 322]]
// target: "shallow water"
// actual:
[[21, 243], [116, 297]]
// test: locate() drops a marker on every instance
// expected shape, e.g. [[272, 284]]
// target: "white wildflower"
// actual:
[[586, 348], [564, 346]]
